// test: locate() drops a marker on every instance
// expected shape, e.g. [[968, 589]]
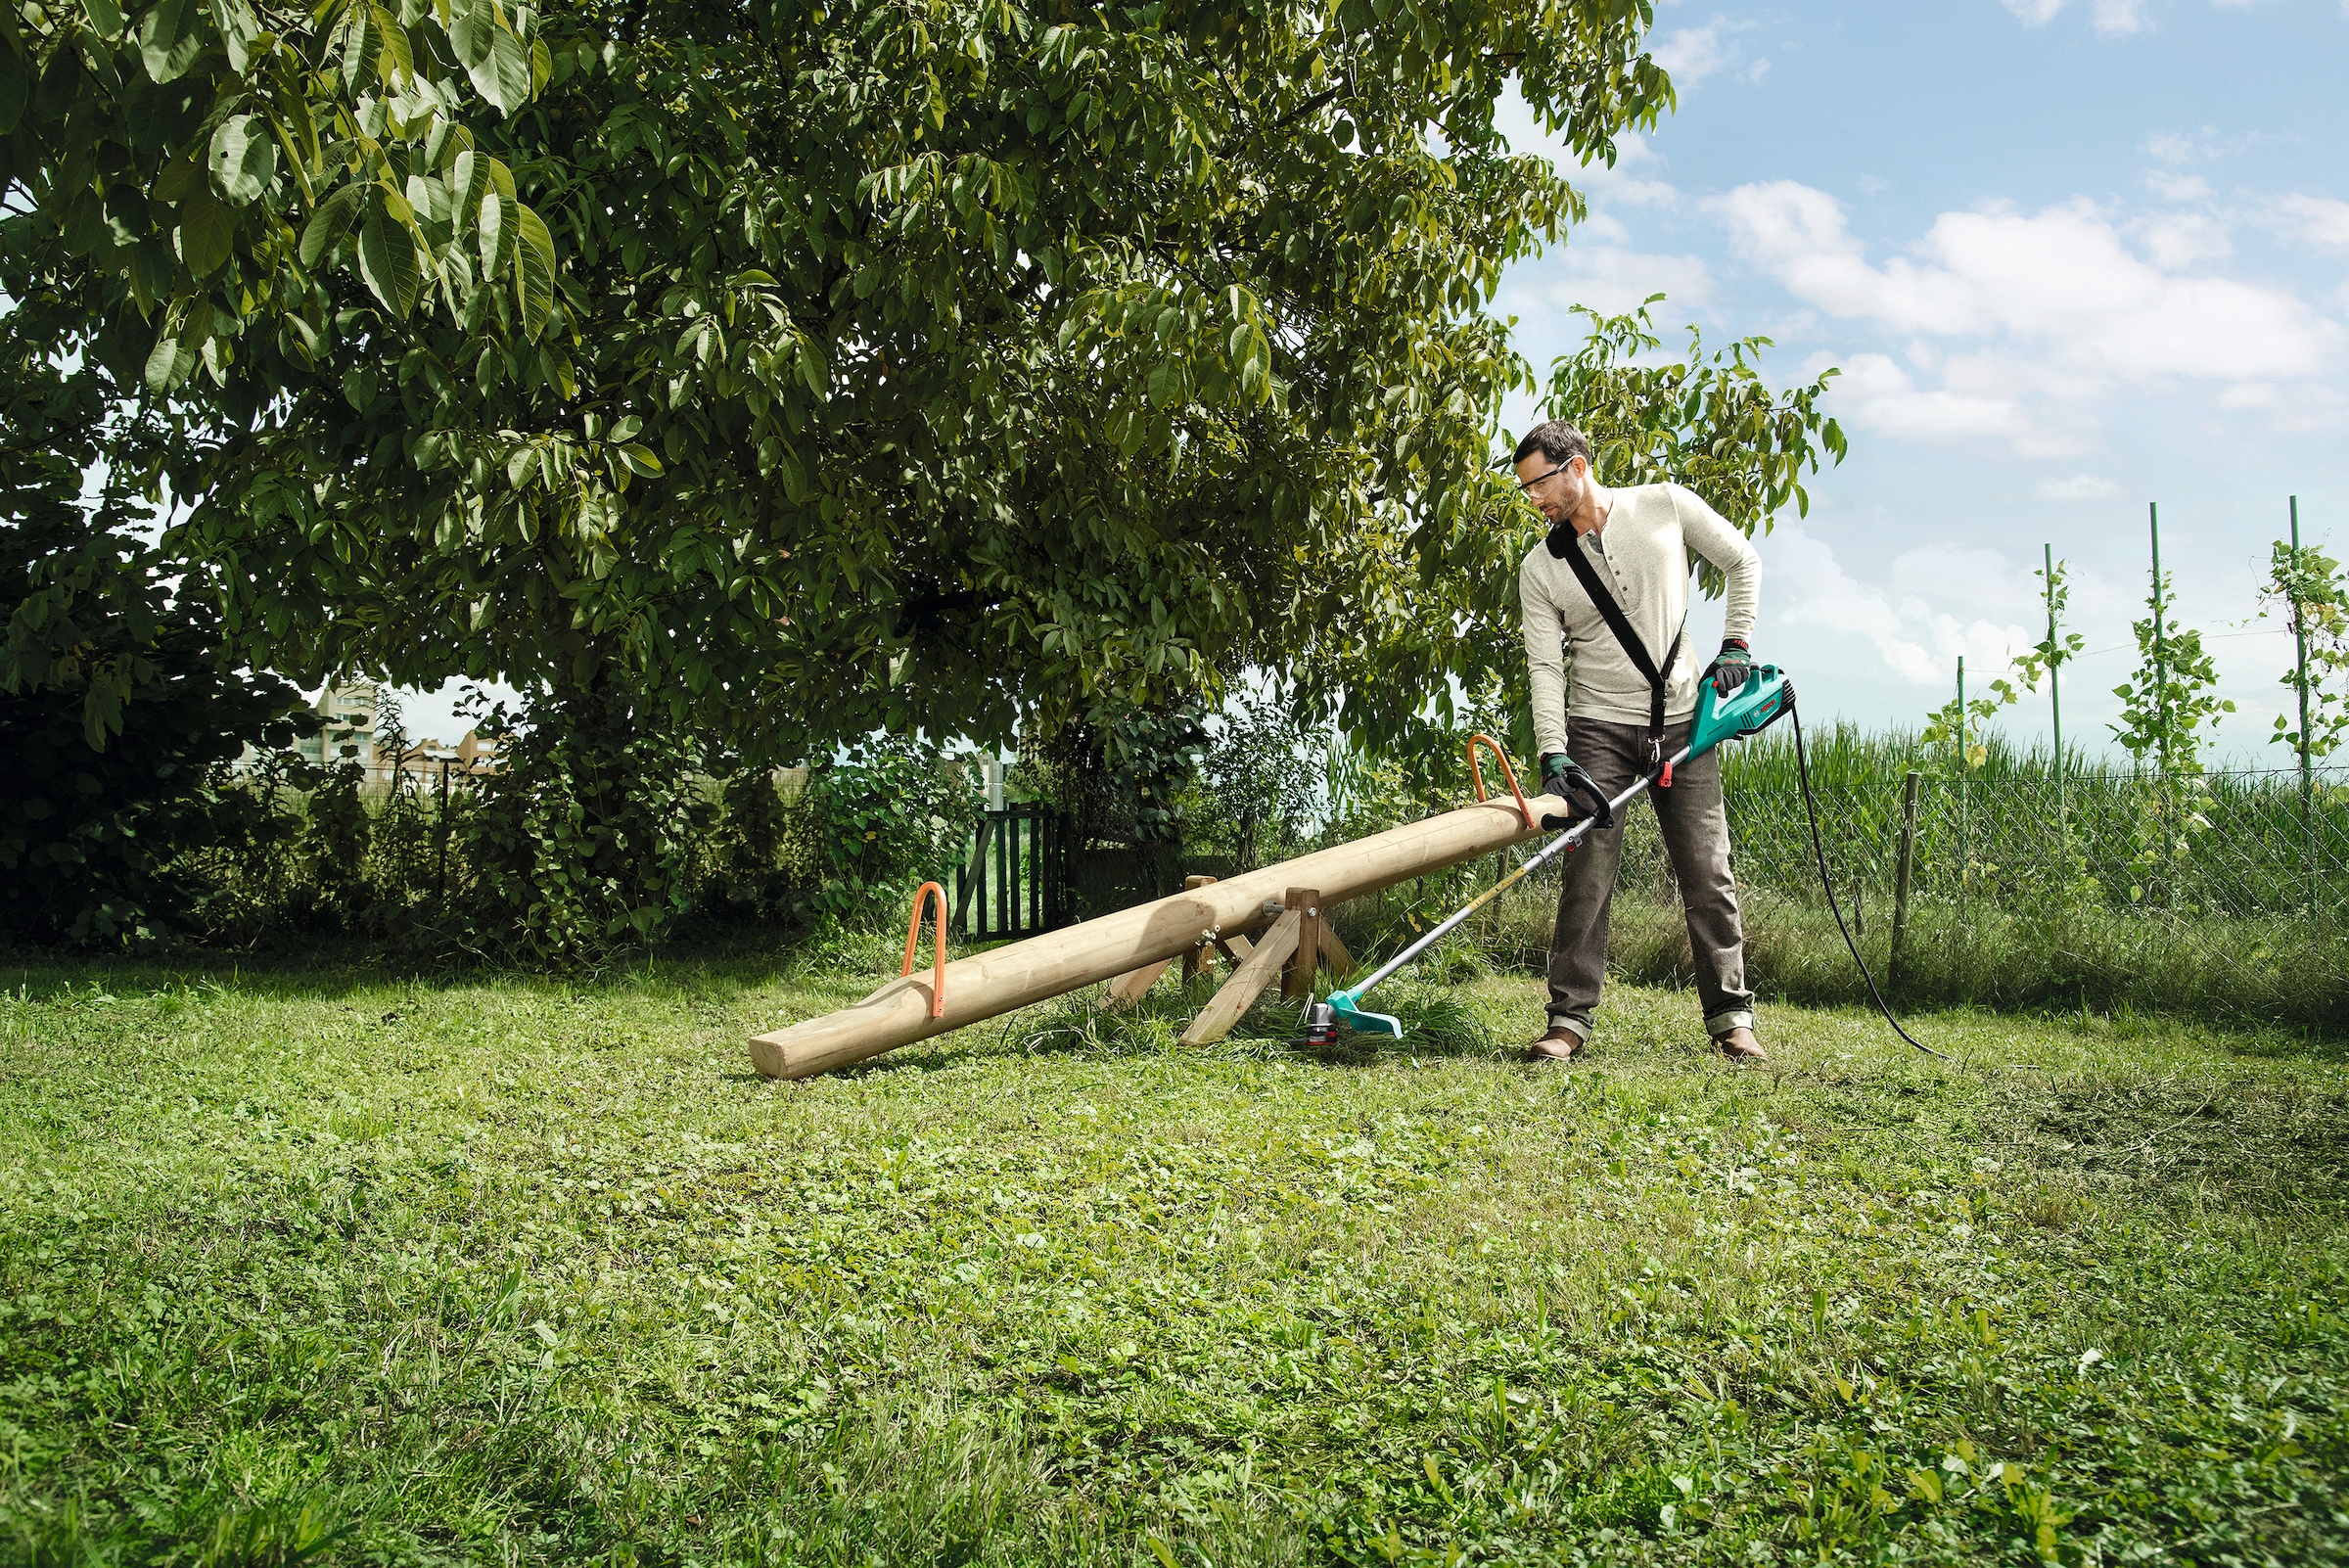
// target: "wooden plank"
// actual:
[[1127, 988], [1297, 977], [1234, 947], [1247, 983], [1333, 952], [973, 875]]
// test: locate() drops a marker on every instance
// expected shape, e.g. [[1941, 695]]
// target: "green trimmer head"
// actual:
[[1342, 1010]]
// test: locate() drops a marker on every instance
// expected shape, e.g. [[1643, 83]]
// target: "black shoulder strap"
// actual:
[[1571, 547]]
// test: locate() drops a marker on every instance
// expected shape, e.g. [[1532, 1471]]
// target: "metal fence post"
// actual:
[[1965, 820], [1900, 886], [2308, 813], [2063, 825]]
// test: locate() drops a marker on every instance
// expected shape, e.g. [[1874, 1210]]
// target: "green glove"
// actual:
[[1729, 671], [1564, 777]]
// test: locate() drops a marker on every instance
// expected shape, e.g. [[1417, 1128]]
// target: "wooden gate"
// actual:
[[1015, 883]]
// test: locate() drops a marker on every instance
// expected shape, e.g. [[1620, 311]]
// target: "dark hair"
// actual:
[[1556, 441]]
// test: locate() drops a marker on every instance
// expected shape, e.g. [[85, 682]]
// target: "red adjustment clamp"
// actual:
[[1664, 779], [1478, 775], [937, 946]]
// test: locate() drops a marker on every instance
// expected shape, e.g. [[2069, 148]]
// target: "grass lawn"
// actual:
[[316, 1264]]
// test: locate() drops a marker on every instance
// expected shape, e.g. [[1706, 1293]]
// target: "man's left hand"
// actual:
[[1730, 667]]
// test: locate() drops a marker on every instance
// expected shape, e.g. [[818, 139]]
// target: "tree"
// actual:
[[1424, 629], [114, 697], [803, 368]]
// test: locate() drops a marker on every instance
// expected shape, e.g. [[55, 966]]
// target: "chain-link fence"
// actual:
[[2223, 897]]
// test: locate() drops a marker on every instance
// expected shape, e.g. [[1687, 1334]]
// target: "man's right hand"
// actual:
[[1564, 777]]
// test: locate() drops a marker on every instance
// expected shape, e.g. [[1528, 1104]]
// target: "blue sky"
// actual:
[[2071, 255]]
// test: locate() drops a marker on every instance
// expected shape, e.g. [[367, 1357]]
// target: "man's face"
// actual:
[[1556, 489]]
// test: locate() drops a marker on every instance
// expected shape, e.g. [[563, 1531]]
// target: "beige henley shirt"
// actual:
[[1644, 555]]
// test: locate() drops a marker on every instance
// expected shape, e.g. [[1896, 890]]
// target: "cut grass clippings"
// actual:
[[312, 1266]]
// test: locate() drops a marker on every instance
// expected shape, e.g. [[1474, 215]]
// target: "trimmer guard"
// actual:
[[1341, 1003], [1766, 696]]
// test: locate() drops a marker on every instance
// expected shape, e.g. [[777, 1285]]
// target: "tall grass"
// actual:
[[2220, 924]]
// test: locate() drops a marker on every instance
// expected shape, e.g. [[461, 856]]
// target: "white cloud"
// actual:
[[1611, 278], [2116, 17], [2177, 187], [2179, 239], [2112, 19], [1876, 394], [2060, 281], [1912, 627], [2078, 488], [2319, 220], [1691, 54], [2170, 147]]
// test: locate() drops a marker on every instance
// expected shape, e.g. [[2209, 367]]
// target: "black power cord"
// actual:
[[1802, 766]]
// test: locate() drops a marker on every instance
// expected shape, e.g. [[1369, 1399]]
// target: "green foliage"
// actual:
[[1426, 634], [817, 369], [583, 840], [873, 826], [114, 701], [401, 1272], [1259, 782], [1708, 422], [2047, 656], [1121, 776], [2169, 705], [2311, 588]]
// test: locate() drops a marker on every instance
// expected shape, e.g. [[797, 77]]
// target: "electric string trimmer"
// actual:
[[1767, 696]]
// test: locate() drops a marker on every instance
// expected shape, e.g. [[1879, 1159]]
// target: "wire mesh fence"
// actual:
[[2220, 897]]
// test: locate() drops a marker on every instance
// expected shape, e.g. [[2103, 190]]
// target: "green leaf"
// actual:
[[331, 221], [534, 271], [469, 182], [243, 159], [169, 364], [510, 76], [105, 17], [497, 234], [362, 49], [169, 41], [468, 33], [207, 229], [387, 260], [13, 85], [639, 457]]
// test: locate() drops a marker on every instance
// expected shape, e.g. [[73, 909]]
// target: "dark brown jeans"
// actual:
[[1696, 837]]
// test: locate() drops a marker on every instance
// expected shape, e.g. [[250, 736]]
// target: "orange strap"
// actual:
[[937, 946], [1478, 774]]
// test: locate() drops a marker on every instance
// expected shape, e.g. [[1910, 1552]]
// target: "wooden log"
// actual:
[[1247, 983], [1018, 974], [1297, 977]]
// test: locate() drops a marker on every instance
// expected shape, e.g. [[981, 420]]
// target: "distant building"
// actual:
[[349, 711]]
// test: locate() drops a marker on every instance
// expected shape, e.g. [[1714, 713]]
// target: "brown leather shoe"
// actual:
[[1558, 1045], [1741, 1048]]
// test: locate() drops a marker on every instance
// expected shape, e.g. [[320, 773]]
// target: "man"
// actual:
[[1634, 693]]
